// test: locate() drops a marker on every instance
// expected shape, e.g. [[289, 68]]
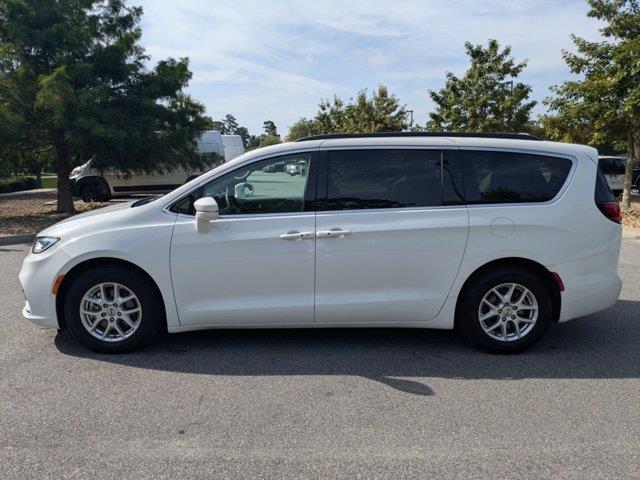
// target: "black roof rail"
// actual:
[[329, 136]]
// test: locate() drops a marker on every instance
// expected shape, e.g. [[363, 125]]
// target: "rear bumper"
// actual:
[[591, 284]]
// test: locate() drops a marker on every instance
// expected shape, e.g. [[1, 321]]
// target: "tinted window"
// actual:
[[358, 179], [506, 177], [185, 204], [603, 193], [612, 165]]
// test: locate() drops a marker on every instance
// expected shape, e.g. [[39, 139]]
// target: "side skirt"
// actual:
[[443, 321]]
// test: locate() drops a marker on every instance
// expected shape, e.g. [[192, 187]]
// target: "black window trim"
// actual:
[[309, 195]]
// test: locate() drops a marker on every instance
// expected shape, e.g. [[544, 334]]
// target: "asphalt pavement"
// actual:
[[322, 404]]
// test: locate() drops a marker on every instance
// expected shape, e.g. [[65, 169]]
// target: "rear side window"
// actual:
[[509, 177], [612, 165], [603, 193], [362, 179]]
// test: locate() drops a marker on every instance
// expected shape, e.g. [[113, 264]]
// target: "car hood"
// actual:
[[93, 220]]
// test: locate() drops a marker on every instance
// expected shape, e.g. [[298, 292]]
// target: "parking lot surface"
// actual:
[[322, 403]]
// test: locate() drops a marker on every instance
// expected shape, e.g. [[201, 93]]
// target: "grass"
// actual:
[[49, 182]]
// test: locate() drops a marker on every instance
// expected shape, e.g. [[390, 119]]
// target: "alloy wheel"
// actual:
[[508, 312], [110, 312]]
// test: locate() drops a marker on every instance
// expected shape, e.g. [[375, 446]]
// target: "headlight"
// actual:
[[75, 171], [42, 243]]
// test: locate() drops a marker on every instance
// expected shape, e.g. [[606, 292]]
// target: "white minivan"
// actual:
[[499, 235], [92, 185]]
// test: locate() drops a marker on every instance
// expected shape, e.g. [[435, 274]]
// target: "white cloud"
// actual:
[[275, 60]]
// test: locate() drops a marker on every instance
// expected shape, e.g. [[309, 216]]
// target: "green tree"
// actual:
[[244, 134], [266, 140], [381, 112], [219, 126], [302, 128], [72, 72], [487, 97], [230, 126], [607, 96], [270, 128], [568, 126]]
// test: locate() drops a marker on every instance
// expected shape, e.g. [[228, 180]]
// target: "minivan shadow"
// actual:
[[604, 345]]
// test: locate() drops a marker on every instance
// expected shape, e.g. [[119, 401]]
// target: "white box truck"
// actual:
[[91, 185]]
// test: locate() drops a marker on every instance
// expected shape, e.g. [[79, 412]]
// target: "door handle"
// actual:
[[295, 235], [334, 232]]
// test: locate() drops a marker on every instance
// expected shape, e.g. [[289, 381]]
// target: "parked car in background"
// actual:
[[299, 168], [613, 168], [91, 185], [500, 235]]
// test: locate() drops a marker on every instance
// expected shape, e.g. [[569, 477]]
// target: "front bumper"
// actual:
[[37, 319], [36, 277]]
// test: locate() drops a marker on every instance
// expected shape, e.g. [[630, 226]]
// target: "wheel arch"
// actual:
[[88, 180], [99, 262], [537, 268], [80, 182]]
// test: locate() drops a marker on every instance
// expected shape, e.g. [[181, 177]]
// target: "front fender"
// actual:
[[147, 247]]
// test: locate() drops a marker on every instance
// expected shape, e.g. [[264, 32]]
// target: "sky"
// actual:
[[275, 60]]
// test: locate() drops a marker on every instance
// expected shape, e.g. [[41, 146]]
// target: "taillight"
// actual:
[[611, 210]]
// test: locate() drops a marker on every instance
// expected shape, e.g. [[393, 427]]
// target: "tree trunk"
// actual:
[[39, 177], [628, 177], [65, 198]]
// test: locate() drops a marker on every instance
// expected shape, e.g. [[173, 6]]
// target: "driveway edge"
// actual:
[[16, 239]]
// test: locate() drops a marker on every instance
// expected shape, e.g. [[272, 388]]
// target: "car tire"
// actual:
[[95, 192], [103, 324], [491, 318]]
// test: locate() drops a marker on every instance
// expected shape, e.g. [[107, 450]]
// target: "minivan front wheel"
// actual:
[[113, 309], [505, 310]]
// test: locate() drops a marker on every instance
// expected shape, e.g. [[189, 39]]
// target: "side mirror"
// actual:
[[206, 212]]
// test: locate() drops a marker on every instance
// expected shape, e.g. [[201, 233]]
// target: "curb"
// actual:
[[628, 232], [16, 239], [27, 192]]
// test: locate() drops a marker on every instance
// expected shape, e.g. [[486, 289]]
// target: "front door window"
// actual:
[[276, 185]]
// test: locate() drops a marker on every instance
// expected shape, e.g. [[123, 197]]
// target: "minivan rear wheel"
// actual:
[[505, 310], [113, 309]]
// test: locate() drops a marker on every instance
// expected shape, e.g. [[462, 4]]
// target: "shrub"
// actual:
[[16, 185], [30, 183], [4, 187]]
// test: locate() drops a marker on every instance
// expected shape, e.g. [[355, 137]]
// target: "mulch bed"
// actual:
[[28, 214], [631, 217]]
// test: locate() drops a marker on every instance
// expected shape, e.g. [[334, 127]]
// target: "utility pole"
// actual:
[[410, 112]]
